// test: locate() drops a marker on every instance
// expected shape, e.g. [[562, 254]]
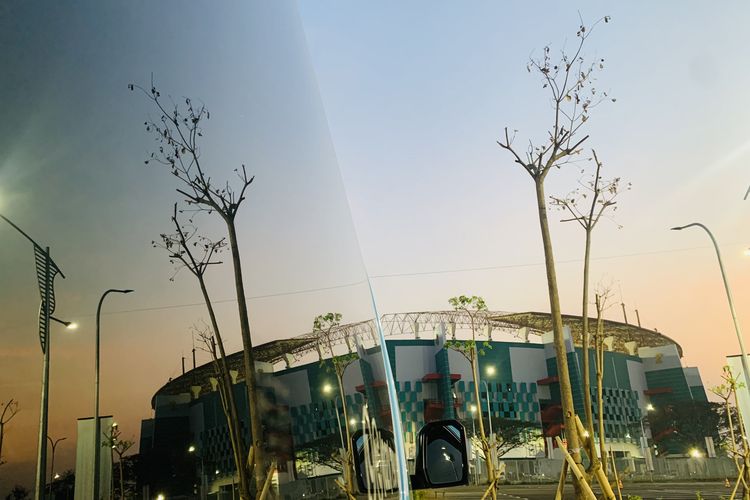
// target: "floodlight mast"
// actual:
[[46, 270]]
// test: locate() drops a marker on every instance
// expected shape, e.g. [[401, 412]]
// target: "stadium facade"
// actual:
[[519, 381]]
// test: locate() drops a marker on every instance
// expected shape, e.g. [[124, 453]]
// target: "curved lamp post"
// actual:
[[729, 296], [53, 443], [97, 426], [46, 271]]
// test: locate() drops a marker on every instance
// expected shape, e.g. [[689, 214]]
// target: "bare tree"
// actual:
[[601, 298], [10, 409], [468, 348], [187, 249], [178, 131], [739, 453], [323, 327], [569, 79], [586, 205], [119, 447]]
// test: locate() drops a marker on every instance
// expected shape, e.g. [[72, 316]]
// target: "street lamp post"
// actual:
[[489, 410], [327, 390], [52, 461], [46, 271], [729, 298], [97, 428], [202, 494], [473, 409]]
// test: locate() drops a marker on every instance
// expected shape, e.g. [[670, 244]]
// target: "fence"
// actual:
[[679, 468]]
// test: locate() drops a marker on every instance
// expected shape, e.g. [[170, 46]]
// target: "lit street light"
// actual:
[[490, 371], [327, 389], [46, 271], [191, 450], [729, 297], [97, 426]]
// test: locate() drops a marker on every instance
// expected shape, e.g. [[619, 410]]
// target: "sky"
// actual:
[[371, 129]]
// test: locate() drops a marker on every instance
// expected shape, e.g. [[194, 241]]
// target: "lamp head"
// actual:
[[71, 325], [677, 228]]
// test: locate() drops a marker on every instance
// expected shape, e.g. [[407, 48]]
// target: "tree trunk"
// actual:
[[482, 435], [228, 401], [348, 472], [256, 426], [566, 393], [599, 384], [122, 480], [585, 348]]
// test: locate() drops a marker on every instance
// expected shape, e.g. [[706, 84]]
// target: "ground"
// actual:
[[648, 491]]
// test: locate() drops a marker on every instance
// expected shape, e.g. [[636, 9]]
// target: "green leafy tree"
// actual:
[[510, 434], [681, 426], [735, 443], [63, 487], [324, 326], [17, 493], [324, 451], [471, 349]]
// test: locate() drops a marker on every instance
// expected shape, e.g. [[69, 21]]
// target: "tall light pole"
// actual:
[[97, 427], [46, 271], [729, 297]]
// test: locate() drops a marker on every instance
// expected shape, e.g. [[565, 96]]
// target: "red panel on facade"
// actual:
[[548, 380], [657, 390], [434, 377]]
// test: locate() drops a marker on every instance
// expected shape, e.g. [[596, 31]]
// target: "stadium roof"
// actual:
[[413, 324], [622, 332]]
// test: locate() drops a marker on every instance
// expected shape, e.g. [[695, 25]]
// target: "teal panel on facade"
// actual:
[[699, 393], [673, 378]]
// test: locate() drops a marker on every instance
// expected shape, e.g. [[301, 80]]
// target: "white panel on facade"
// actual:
[[693, 376], [543, 392], [743, 394], [549, 346], [459, 364], [414, 362], [293, 388], [84, 486], [637, 377], [528, 365], [660, 358], [353, 378]]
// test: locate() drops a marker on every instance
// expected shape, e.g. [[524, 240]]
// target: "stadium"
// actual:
[[301, 405]]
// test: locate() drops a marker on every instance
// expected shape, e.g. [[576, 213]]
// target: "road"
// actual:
[[648, 491]]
